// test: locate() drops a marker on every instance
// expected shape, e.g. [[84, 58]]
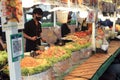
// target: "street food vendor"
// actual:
[[64, 29], [32, 31]]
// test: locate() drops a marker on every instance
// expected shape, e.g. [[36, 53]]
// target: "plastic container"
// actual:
[[61, 67], [46, 75], [75, 57]]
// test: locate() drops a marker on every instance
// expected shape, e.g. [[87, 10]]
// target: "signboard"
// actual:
[[91, 17], [12, 14], [17, 48]]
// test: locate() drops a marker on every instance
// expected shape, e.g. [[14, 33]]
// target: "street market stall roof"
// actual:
[[105, 7], [29, 3], [76, 5]]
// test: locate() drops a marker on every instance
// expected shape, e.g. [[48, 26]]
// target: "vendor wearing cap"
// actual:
[[32, 31]]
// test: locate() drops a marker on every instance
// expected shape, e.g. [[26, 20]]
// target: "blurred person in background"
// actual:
[[64, 29], [2, 38], [2, 44], [84, 25]]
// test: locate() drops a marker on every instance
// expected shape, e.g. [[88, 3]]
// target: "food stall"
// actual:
[[54, 61]]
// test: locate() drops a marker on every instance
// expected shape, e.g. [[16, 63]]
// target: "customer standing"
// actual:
[[32, 30]]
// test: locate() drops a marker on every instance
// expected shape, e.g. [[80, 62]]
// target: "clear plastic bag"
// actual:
[[105, 45]]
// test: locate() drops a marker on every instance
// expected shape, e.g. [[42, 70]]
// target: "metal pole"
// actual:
[[14, 67], [54, 18], [93, 37]]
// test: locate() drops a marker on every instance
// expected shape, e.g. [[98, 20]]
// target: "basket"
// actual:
[[62, 16]]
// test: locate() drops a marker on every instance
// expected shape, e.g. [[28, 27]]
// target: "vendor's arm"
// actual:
[[43, 40]]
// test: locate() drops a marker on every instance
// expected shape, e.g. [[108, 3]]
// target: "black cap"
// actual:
[[38, 11]]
